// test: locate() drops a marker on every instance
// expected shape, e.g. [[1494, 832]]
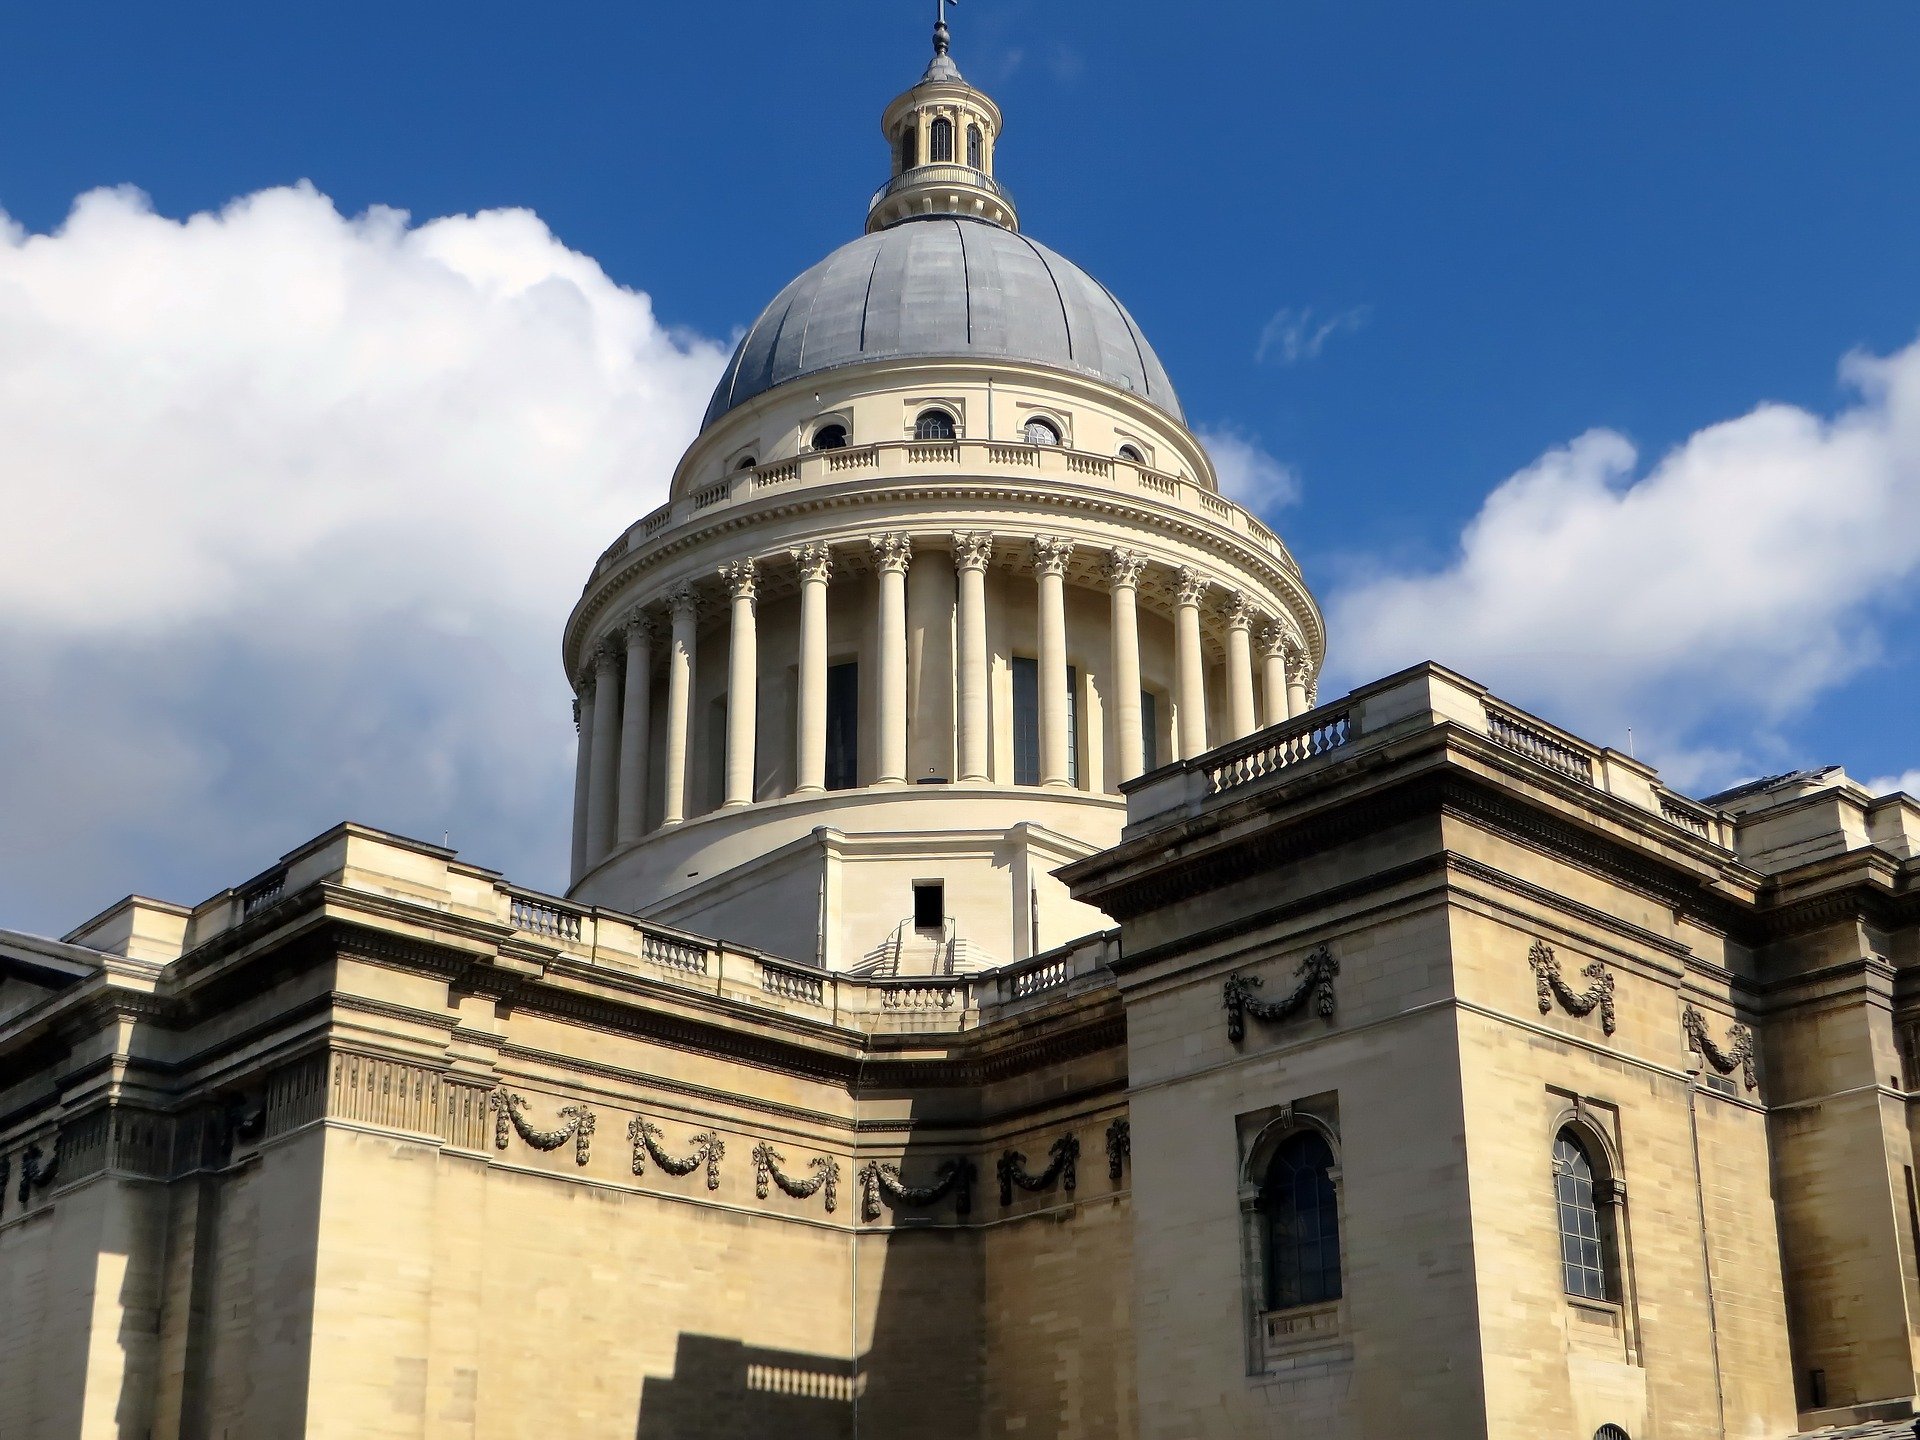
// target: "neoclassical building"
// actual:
[[996, 994]]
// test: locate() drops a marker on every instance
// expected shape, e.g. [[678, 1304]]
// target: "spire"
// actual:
[[942, 66]]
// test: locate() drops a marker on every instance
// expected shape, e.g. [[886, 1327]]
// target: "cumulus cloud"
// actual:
[[1292, 336], [297, 503], [1248, 472], [1721, 587], [1890, 784]]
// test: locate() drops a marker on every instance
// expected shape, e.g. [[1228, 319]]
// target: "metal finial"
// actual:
[[941, 39]]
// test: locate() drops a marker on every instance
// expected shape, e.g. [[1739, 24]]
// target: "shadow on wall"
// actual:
[[722, 1387]]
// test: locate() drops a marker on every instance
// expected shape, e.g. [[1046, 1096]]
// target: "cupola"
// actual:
[[942, 134]]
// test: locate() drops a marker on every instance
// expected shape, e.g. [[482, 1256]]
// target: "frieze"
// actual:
[[1737, 1056], [1119, 1148], [1063, 1168], [576, 1124], [1550, 985], [708, 1150], [766, 1168], [953, 1177], [1315, 980]]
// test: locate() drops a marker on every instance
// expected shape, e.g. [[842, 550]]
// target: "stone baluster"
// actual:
[[582, 767], [1273, 672], [972, 553], [1123, 583], [679, 700], [743, 681], [1188, 667], [1240, 712], [1050, 560], [891, 555], [810, 708], [636, 718], [604, 793]]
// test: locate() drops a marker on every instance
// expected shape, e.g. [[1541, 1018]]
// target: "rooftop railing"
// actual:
[[942, 173]]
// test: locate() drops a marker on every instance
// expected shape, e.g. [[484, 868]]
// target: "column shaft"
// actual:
[[1123, 575], [743, 683], [636, 718], [1188, 672], [679, 698], [891, 555], [810, 709], [971, 554], [582, 772], [1050, 561], [606, 754], [1240, 667]]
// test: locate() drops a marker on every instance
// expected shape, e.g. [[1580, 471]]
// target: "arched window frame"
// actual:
[[936, 423], [1133, 453], [940, 141], [1287, 1122], [976, 147], [1591, 1126], [1042, 430], [826, 429]]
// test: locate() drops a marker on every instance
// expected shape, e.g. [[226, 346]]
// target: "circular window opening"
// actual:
[[830, 437], [1041, 432], [1129, 452], [934, 425]]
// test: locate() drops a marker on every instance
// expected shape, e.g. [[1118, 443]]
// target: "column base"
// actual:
[[809, 790]]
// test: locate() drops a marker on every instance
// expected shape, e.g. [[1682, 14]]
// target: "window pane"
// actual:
[[1073, 726], [1302, 1224], [1026, 721], [1582, 1251], [843, 726], [1149, 731]]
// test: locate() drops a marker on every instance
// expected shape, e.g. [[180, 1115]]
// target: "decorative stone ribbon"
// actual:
[[953, 1177], [766, 1168], [1739, 1051], [576, 1124], [708, 1150], [1552, 985], [1315, 974], [1063, 1166], [1119, 1147]]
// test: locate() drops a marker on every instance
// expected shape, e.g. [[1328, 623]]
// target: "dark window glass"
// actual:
[[1611, 1432], [941, 142], [843, 726], [1073, 726], [934, 425], [1303, 1223], [976, 147], [747, 462], [929, 905], [1026, 721], [1583, 1260], [1041, 432], [909, 147], [1149, 730], [716, 742], [1130, 452], [830, 437]]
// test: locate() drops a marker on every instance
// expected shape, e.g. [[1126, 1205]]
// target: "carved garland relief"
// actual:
[[953, 1177], [1315, 981], [1551, 985], [1063, 1166], [766, 1167], [576, 1124], [708, 1150], [1738, 1054]]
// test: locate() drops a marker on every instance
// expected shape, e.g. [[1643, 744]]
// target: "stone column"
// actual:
[[606, 752], [582, 768], [1123, 581], [679, 699], [891, 555], [743, 682], [1189, 672], [1273, 672], [1240, 665], [1050, 559], [972, 552], [810, 707], [636, 716], [1299, 675]]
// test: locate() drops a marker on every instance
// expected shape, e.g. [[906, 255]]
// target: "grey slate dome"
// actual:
[[938, 288]]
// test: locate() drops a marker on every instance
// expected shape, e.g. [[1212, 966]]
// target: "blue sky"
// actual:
[[1402, 251]]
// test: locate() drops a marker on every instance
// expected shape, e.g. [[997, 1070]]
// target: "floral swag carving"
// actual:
[[954, 1177], [766, 1169], [708, 1149], [1737, 1055], [1063, 1166], [1119, 1147], [1552, 985], [1315, 974], [576, 1124]]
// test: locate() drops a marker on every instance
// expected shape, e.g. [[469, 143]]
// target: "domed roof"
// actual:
[[944, 287]]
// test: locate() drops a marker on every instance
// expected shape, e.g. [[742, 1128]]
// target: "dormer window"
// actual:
[[830, 437], [976, 147], [747, 462], [1041, 432], [935, 425], [940, 139], [1131, 452]]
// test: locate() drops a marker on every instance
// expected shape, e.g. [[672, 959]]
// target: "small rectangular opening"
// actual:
[[929, 904]]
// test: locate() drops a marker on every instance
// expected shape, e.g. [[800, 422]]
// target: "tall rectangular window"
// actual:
[[1073, 726], [1026, 721], [716, 742], [1149, 731], [843, 725]]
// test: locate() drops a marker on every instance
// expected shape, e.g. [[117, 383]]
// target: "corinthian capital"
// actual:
[[1299, 667], [972, 549], [1051, 555], [608, 654], [740, 576], [682, 602], [1123, 568], [637, 628], [1239, 610], [891, 552], [1193, 585], [1274, 639], [815, 562]]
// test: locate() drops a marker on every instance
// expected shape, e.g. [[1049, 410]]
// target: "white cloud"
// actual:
[[1292, 336], [1248, 473], [1888, 784], [296, 505], [1730, 582]]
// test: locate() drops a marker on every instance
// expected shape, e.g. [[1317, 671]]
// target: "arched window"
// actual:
[[940, 141], [909, 147], [1130, 452], [976, 148], [747, 462], [934, 425], [1585, 1261], [1612, 1432], [1041, 432], [830, 437], [1302, 1223]]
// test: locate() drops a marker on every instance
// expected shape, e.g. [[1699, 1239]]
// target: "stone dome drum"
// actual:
[[944, 287]]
